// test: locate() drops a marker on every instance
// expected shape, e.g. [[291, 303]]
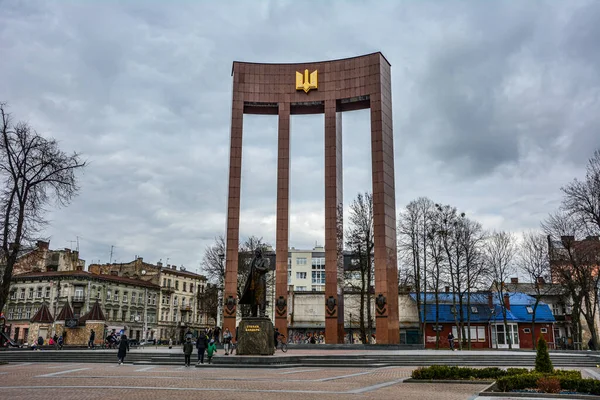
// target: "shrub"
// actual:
[[542, 358], [548, 385], [443, 372], [568, 380]]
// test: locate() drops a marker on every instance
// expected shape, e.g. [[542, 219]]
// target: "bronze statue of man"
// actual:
[[255, 291]]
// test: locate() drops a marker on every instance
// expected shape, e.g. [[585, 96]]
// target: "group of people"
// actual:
[[56, 341], [203, 344]]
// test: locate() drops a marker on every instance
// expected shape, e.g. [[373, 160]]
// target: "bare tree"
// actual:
[[414, 226], [582, 198], [213, 264], [500, 251], [437, 267], [535, 262], [360, 241], [35, 173], [574, 264]]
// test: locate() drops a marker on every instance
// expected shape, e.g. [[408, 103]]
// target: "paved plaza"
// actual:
[[110, 381]]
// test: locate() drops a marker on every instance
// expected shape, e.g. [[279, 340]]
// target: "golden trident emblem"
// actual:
[[304, 83]]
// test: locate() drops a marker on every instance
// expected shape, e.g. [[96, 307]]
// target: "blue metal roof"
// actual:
[[481, 312]]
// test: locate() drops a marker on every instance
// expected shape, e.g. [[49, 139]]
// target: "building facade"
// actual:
[[128, 304], [179, 302]]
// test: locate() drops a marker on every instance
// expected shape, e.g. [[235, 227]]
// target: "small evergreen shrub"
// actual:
[[543, 363]]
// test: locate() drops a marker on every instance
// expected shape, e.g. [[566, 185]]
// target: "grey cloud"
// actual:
[[494, 109]]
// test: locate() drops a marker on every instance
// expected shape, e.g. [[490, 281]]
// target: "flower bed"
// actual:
[[556, 382]]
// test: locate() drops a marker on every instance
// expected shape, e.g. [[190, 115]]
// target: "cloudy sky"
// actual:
[[495, 108]]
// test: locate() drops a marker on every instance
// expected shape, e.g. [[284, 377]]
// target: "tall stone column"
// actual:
[[282, 236], [384, 209], [334, 236], [233, 213]]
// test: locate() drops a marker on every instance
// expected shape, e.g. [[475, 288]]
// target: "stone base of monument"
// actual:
[[255, 337]]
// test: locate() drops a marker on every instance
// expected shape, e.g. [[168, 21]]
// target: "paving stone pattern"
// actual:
[[83, 381]]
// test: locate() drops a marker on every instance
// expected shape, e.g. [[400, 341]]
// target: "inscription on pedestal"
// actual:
[[255, 337]]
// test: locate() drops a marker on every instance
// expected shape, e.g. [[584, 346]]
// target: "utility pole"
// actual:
[[146, 298], [111, 254], [77, 244]]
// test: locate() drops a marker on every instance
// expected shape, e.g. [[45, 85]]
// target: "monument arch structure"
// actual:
[[328, 87]]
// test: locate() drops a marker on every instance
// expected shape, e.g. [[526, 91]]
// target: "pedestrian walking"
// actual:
[[170, 343], [451, 341], [201, 345], [188, 348], [210, 350], [227, 337], [61, 341], [123, 349], [92, 338]]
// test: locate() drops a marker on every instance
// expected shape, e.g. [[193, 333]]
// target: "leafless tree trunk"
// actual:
[[34, 173], [534, 261], [500, 251], [360, 241]]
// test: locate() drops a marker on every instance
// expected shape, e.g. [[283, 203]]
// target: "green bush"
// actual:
[[443, 372], [542, 358], [569, 380]]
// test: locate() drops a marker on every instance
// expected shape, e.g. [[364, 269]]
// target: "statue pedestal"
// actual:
[[255, 337]]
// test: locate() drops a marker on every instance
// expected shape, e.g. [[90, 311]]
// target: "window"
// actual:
[[289, 263], [19, 312], [153, 299], [176, 285], [474, 310], [318, 263], [116, 295], [39, 293], [167, 299], [28, 313], [174, 317], [164, 282], [192, 287], [301, 288], [13, 295], [125, 296], [168, 283], [162, 316], [526, 330], [22, 294], [544, 330], [11, 313], [78, 293], [555, 309], [123, 315], [30, 293], [300, 275], [175, 302], [133, 298], [318, 277], [108, 295], [529, 310], [301, 261], [183, 302], [184, 286], [47, 295]]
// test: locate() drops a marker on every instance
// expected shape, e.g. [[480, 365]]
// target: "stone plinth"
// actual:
[[255, 337]]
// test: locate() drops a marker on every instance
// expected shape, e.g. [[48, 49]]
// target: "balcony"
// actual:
[[186, 308], [168, 289]]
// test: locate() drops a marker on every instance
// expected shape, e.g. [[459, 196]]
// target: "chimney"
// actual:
[[490, 300], [447, 289], [514, 280], [43, 245], [159, 264], [174, 267], [507, 301]]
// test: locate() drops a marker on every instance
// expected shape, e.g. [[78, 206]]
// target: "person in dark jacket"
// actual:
[[123, 349], [92, 338], [188, 349], [201, 345]]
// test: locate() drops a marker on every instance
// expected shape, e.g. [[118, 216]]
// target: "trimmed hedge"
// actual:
[[569, 380], [443, 372]]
